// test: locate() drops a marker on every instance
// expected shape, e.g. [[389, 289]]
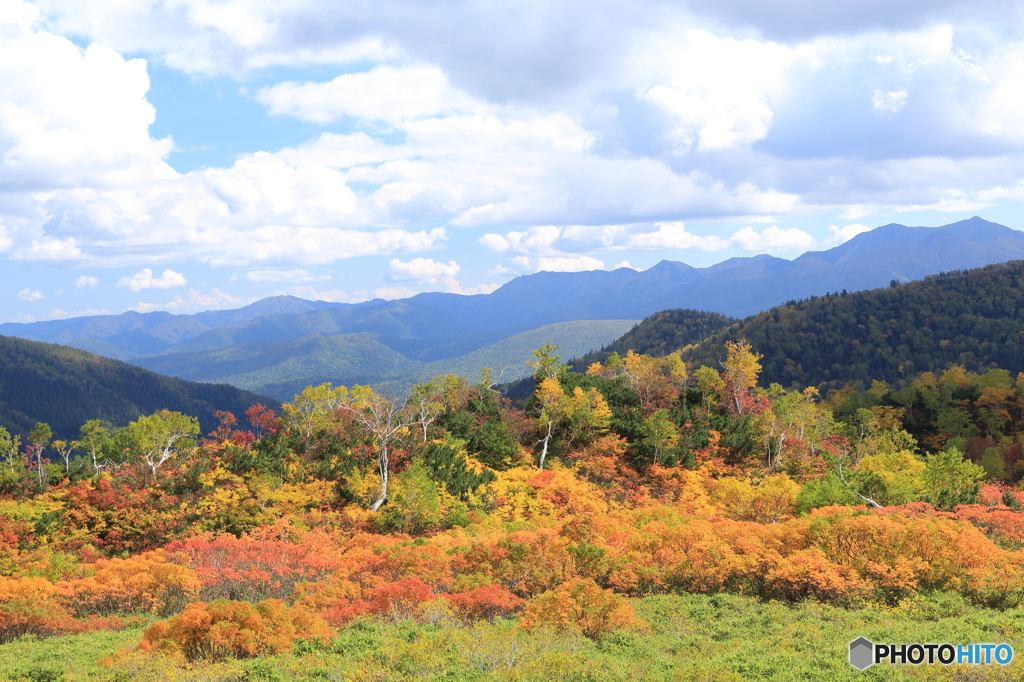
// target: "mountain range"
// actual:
[[276, 343]]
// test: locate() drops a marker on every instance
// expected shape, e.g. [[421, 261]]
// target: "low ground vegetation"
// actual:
[[646, 520]]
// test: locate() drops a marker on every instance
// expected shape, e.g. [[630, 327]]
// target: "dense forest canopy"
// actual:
[[65, 387], [974, 319]]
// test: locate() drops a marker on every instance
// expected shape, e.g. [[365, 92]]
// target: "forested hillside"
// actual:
[[973, 318], [65, 387], [660, 334]]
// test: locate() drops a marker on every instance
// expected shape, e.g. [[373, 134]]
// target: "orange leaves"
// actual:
[[251, 568], [810, 574], [146, 582], [33, 606], [231, 629], [400, 599], [487, 602], [580, 605]]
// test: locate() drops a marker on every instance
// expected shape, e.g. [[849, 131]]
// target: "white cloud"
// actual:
[[502, 270], [144, 280], [623, 264], [196, 301], [391, 293], [30, 295], [582, 132], [478, 289], [385, 93], [58, 314], [72, 116], [569, 264], [333, 295], [889, 102], [284, 276], [672, 236], [423, 270], [841, 235], [86, 281], [722, 103], [772, 239]]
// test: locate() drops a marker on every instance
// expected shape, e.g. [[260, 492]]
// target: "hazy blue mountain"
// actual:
[[435, 326], [282, 369]]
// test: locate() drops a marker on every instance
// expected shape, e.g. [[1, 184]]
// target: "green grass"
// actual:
[[74, 657], [689, 637]]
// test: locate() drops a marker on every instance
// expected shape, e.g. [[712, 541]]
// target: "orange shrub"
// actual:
[[231, 629], [31, 606], [580, 605], [147, 582], [487, 602], [400, 599]]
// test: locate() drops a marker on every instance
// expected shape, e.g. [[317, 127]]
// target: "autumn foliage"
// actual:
[[232, 629], [641, 477]]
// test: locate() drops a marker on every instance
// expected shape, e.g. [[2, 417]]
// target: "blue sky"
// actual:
[[183, 155]]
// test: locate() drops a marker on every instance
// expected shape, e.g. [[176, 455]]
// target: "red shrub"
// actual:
[[486, 602]]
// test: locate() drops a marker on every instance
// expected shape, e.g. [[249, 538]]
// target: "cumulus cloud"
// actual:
[[841, 235], [30, 295], [565, 133], [723, 104], [333, 295], [58, 314], [569, 264], [772, 239], [144, 280], [385, 93], [391, 293], [423, 270], [623, 264], [284, 276], [889, 102], [195, 301], [86, 281]]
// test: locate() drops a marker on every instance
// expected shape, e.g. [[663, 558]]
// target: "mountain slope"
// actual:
[[658, 335], [972, 318], [363, 358], [310, 359], [66, 387]]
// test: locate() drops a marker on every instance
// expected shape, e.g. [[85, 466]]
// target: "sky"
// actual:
[[185, 155]]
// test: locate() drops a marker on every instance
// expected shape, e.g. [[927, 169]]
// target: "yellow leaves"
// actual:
[[580, 605], [769, 500], [524, 493], [742, 366], [901, 472], [33, 509]]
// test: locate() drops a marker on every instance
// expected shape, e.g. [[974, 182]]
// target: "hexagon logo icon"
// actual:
[[862, 653]]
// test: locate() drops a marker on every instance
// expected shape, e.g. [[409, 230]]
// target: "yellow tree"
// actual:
[[710, 383], [742, 368], [579, 416], [384, 420], [660, 433], [312, 411], [551, 399]]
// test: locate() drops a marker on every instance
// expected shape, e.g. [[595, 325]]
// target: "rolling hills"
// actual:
[[283, 368], [66, 387]]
